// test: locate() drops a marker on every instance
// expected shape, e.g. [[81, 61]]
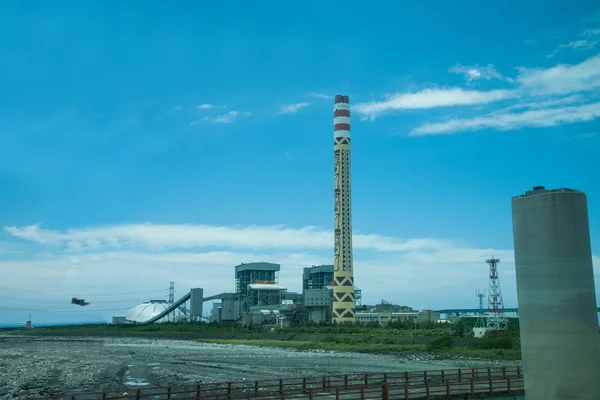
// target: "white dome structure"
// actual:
[[150, 309]]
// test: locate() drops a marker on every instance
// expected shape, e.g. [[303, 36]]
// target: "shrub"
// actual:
[[443, 342], [493, 342]]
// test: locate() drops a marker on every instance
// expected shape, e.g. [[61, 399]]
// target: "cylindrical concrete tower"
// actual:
[[558, 317], [343, 274]]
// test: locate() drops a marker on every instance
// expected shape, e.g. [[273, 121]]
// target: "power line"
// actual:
[[117, 301], [14, 289], [120, 294], [68, 301], [80, 311], [58, 311]]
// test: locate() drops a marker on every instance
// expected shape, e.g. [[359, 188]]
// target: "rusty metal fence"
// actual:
[[428, 385]]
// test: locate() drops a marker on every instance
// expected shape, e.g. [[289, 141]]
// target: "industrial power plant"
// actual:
[[259, 300], [555, 283], [328, 291]]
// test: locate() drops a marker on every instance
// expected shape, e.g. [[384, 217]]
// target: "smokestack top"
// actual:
[[341, 99]]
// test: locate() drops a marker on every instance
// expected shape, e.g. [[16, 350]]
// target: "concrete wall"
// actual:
[[196, 302], [557, 302], [317, 297], [318, 314], [228, 309]]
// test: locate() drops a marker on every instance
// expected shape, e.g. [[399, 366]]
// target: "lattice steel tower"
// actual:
[[480, 323], [171, 292], [343, 282], [496, 322]]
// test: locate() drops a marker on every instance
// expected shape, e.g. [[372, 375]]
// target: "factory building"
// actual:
[[386, 312], [317, 292], [260, 300], [257, 289]]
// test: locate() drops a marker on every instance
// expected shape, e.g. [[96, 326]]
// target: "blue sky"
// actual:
[[142, 143]]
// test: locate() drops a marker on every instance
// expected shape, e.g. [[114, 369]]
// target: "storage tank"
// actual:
[[558, 317], [147, 310]]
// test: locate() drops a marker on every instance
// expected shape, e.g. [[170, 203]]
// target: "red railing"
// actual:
[[387, 386]]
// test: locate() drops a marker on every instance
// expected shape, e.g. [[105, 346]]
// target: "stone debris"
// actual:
[[48, 366]]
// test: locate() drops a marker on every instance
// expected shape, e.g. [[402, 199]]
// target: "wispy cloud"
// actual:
[[582, 44], [321, 96], [227, 118], [205, 106], [560, 94], [561, 79], [576, 98], [204, 256], [591, 33], [511, 121], [186, 253], [432, 98], [588, 42], [475, 73], [198, 236], [292, 108], [584, 136], [7, 248]]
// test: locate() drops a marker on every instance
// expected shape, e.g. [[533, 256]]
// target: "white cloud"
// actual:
[[7, 248], [576, 98], [431, 98], [587, 43], [321, 96], [591, 32], [582, 44], [562, 78], [105, 260], [292, 108], [511, 121], [543, 90], [158, 237], [205, 106], [108, 259], [227, 118], [474, 73]]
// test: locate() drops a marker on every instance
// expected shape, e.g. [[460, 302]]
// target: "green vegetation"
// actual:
[[328, 343], [399, 337], [399, 328], [440, 343], [396, 328], [343, 344]]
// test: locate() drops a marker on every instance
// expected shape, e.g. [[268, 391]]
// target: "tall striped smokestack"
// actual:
[[343, 275]]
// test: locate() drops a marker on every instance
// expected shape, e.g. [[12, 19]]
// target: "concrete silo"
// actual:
[[558, 316]]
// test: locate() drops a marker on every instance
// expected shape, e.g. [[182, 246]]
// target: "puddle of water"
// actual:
[[136, 375]]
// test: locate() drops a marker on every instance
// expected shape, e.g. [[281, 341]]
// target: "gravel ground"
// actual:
[[45, 366]]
